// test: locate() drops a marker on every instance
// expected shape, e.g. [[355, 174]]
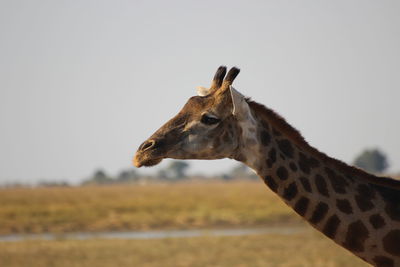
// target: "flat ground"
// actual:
[[130, 207], [307, 249], [159, 206]]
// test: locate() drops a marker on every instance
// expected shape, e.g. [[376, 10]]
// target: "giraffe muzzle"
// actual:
[[148, 154]]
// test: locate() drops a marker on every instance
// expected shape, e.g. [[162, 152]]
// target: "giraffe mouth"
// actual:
[[139, 160]]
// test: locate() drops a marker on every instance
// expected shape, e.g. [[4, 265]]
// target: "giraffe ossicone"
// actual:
[[202, 91], [357, 210]]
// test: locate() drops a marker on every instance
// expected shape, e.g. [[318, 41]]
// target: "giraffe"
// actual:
[[357, 210]]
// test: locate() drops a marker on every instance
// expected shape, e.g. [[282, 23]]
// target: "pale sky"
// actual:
[[83, 83]]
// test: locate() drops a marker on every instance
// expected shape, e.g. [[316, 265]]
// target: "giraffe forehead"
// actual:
[[193, 108], [220, 104], [197, 104]]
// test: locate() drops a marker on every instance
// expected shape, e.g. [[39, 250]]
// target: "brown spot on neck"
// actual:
[[357, 233], [321, 185], [344, 206], [319, 213], [301, 206], [290, 191], [391, 242], [377, 221], [331, 226]]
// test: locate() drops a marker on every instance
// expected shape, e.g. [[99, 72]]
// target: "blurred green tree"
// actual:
[[127, 176], [176, 170], [100, 177], [372, 160]]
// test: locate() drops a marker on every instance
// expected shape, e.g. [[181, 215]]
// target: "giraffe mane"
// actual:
[[282, 125]]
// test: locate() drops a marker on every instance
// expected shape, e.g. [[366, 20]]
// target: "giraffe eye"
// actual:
[[209, 120]]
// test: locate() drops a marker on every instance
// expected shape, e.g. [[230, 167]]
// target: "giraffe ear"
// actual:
[[202, 91], [240, 107]]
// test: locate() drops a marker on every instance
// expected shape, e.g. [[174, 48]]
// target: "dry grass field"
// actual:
[[159, 206], [134, 207], [308, 249]]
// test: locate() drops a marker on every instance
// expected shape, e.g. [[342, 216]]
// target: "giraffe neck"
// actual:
[[344, 206]]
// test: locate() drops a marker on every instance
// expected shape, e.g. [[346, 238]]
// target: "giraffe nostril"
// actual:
[[147, 145]]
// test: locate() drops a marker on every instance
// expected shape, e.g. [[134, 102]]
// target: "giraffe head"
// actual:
[[207, 127]]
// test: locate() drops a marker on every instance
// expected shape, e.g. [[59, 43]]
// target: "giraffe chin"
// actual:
[[146, 163]]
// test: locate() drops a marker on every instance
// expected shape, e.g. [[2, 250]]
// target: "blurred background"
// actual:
[[83, 83]]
